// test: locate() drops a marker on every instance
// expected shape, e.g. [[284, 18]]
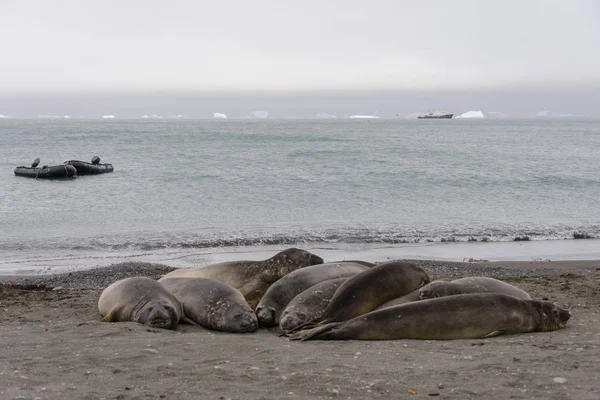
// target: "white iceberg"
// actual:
[[108, 116], [2, 116], [145, 116], [259, 114], [360, 116], [219, 115], [544, 113], [322, 115], [471, 114], [67, 117]]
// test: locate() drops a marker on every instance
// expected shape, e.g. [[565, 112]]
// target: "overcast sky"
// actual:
[[282, 45], [272, 46]]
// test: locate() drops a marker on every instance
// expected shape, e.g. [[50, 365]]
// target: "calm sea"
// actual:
[[187, 185]]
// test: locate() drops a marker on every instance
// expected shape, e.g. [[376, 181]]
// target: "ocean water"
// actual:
[[183, 189]]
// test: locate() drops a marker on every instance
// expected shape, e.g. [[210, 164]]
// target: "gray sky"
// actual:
[[283, 45], [272, 46]]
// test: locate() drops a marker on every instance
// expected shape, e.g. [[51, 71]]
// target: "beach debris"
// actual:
[[410, 391], [558, 379]]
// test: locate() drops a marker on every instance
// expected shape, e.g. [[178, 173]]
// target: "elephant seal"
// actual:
[[309, 305], [363, 292], [407, 298], [213, 304], [279, 295], [142, 300], [463, 316], [251, 278], [472, 284]]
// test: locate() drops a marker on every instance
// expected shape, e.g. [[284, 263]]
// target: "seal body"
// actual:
[[142, 300], [213, 304], [252, 278], [366, 291], [407, 298], [279, 295], [464, 316], [473, 284], [309, 305]]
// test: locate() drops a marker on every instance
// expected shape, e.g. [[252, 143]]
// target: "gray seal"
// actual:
[[252, 278], [471, 284], [463, 316], [213, 304], [142, 300], [279, 295], [309, 305]]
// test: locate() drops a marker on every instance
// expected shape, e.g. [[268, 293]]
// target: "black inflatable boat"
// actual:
[[46, 172], [93, 168]]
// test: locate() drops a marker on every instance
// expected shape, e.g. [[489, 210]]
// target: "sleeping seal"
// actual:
[[463, 316], [363, 292], [279, 295], [471, 284], [251, 278], [309, 305], [213, 304], [142, 300]]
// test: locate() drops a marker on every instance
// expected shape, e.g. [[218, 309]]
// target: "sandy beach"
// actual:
[[55, 346]]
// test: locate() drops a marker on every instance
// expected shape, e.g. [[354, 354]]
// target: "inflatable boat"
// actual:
[[93, 168], [46, 172]]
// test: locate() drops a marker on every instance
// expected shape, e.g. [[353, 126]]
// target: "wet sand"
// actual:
[[55, 346]]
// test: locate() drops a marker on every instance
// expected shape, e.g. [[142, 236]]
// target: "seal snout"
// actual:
[[266, 316], [564, 315], [315, 260], [248, 322]]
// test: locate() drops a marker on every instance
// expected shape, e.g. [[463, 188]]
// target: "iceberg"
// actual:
[[326, 116], [108, 116], [471, 114], [2, 116], [259, 114], [219, 115], [145, 116], [67, 117], [545, 113]]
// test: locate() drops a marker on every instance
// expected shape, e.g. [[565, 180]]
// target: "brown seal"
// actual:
[[252, 278], [309, 305], [142, 300], [463, 316], [279, 295], [471, 284], [366, 291]]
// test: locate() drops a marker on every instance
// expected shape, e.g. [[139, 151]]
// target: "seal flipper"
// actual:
[[308, 334], [497, 332]]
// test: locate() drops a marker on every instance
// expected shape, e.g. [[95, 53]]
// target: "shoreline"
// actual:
[[55, 346], [554, 250]]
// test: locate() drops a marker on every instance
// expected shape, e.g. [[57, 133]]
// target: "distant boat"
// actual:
[[108, 116], [436, 115], [219, 115]]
